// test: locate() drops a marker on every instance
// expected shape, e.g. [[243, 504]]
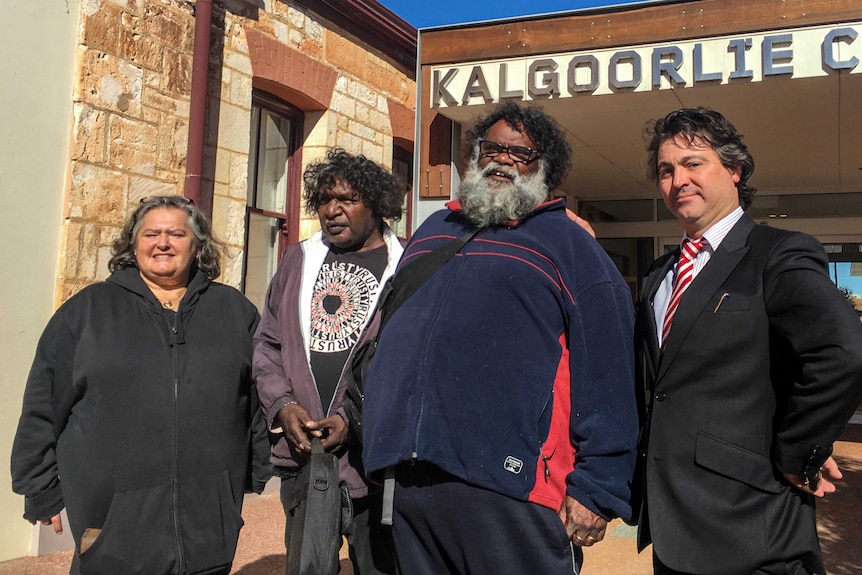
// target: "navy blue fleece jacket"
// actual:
[[512, 366]]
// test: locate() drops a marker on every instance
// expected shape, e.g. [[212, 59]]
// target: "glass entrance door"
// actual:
[[845, 268], [632, 256]]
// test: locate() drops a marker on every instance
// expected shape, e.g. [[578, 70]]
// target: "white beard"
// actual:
[[487, 202]]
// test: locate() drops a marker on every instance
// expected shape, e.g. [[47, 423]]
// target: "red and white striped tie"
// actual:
[[684, 275]]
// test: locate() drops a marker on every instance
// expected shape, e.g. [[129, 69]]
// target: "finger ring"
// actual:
[[578, 537]]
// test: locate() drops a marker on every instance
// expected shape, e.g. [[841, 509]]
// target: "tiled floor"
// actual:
[[261, 547]]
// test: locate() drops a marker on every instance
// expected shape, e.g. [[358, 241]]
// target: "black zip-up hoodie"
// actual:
[[144, 424]]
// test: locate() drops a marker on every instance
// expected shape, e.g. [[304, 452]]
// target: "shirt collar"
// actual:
[[719, 230]]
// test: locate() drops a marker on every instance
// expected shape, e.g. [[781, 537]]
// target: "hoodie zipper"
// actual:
[[175, 491]]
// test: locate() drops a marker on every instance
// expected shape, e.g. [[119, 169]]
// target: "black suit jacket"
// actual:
[[760, 385]]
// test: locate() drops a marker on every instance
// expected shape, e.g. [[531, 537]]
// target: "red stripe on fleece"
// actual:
[[431, 238], [538, 254], [558, 453], [415, 252], [519, 259]]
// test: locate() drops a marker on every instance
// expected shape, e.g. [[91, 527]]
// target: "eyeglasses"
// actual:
[[168, 200], [520, 154]]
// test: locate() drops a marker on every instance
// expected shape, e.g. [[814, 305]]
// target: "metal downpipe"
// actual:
[[198, 101]]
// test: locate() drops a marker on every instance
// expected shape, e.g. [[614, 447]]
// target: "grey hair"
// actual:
[[484, 207], [209, 248]]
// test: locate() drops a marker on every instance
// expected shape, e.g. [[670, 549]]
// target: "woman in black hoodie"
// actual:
[[140, 416]]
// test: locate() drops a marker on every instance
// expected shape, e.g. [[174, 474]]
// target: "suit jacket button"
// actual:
[[660, 396]]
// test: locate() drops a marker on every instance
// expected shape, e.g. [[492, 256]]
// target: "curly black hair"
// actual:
[[554, 148], [695, 125], [380, 190]]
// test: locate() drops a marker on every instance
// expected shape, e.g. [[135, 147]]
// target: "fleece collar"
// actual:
[[549, 206]]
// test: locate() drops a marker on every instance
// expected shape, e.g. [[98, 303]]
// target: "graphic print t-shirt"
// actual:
[[340, 307]]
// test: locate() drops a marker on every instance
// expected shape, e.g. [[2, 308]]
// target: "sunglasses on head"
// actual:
[[168, 200]]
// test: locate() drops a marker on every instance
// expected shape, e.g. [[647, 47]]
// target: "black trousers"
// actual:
[[442, 524]]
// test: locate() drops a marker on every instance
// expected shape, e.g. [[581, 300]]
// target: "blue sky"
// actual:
[[423, 13]]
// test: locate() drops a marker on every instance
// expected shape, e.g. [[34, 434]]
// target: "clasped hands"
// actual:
[[299, 428]]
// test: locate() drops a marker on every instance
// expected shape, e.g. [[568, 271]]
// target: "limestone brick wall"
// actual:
[[131, 109], [130, 104], [357, 117]]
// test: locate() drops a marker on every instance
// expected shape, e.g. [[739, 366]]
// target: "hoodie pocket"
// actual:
[[139, 536], [136, 536], [210, 521]]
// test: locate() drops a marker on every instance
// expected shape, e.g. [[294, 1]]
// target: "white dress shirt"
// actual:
[[713, 236]]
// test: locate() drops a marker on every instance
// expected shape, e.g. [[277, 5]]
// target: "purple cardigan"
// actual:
[[281, 364]]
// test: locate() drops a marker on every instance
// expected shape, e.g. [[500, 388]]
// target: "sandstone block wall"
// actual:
[[129, 132], [130, 108]]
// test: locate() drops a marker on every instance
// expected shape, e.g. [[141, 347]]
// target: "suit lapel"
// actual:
[[651, 284], [701, 291]]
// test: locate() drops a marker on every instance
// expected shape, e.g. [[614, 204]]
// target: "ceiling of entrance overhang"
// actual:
[[805, 134]]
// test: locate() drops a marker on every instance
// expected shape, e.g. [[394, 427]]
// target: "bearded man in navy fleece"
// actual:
[[502, 392]]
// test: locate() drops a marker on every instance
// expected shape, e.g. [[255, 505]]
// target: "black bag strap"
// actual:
[[395, 292], [408, 279]]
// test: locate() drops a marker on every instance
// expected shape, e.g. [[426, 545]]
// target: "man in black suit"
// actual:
[[751, 378]]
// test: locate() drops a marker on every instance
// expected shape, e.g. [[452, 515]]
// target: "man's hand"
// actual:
[[299, 428], [295, 421], [582, 525], [56, 521], [332, 430], [830, 473]]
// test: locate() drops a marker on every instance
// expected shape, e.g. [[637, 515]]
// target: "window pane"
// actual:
[[273, 152], [616, 210], [402, 170], [847, 276], [261, 256], [662, 211], [632, 257], [841, 205]]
